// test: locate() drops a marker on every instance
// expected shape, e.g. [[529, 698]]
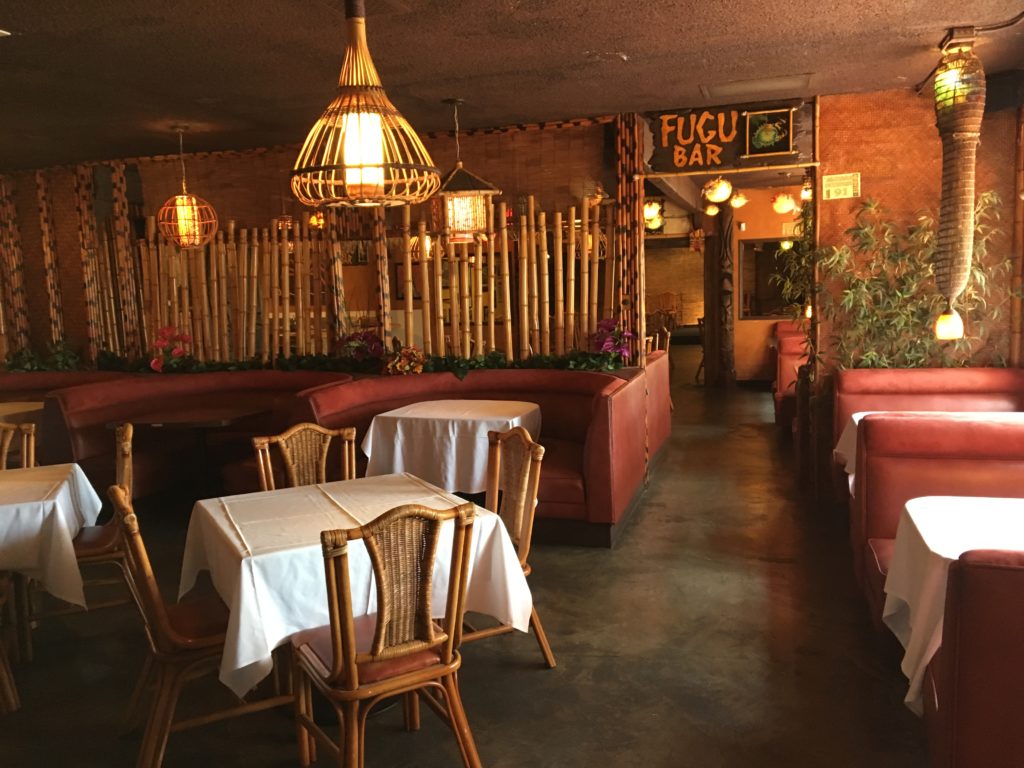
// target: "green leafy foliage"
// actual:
[[58, 357], [878, 292]]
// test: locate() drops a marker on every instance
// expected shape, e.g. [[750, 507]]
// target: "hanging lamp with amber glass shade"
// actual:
[[362, 152], [185, 219], [465, 195]]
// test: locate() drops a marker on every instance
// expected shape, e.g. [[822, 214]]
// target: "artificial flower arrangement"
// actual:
[[169, 349], [610, 339], [404, 360], [361, 346]]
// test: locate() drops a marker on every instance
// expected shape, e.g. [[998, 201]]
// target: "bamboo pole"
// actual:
[[319, 323], [383, 279], [506, 281], [254, 261], [559, 257], [491, 287], [524, 291], [284, 251], [301, 280], [465, 286], [570, 283], [217, 336], [425, 315], [338, 294], [407, 280], [276, 325], [585, 246], [454, 294], [545, 297], [266, 264], [223, 305], [595, 267], [204, 305], [610, 265], [478, 299], [186, 296], [439, 297], [531, 252], [1017, 247]]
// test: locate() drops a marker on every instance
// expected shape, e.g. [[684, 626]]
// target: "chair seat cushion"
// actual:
[[94, 540], [199, 617], [315, 646]]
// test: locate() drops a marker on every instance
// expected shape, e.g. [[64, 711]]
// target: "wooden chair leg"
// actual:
[[303, 707], [23, 617], [134, 714], [542, 639], [411, 702], [9, 701], [348, 756], [459, 722], [161, 715]]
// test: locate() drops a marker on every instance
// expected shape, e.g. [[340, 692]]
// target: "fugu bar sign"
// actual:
[[720, 138]]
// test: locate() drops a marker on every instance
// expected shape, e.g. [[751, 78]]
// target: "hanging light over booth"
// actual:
[[362, 152], [717, 190], [464, 195], [185, 219]]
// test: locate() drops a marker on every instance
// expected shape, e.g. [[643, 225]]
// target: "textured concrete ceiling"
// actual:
[[107, 78]]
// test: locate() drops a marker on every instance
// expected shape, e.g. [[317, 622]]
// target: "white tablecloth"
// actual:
[[263, 553], [933, 532], [845, 451], [444, 441], [41, 510]]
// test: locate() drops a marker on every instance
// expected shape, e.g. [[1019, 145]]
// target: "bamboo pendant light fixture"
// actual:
[[465, 196], [362, 152], [186, 219], [959, 107]]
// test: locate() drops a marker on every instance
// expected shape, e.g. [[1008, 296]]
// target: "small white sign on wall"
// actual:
[[840, 185]]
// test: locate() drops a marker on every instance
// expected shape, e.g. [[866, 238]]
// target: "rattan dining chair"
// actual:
[[303, 450], [186, 641], [355, 662], [513, 476], [26, 434]]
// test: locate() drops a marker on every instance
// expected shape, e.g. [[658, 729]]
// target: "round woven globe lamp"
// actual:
[[362, 151], [187, 220]]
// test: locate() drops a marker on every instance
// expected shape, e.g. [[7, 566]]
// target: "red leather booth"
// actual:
[[901, 457], [974, 686], [790, 342]]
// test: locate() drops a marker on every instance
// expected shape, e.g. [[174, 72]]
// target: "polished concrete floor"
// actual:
[[723, 630]]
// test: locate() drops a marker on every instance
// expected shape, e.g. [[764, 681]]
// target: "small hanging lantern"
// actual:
[[786, 245], [711, 209], [362, 152], [717, 190], [464, 195], [316, 220], [783, 203], [738, 200], [654, 215], [185, 219], [949, 325], [807, 191], [417, 255]]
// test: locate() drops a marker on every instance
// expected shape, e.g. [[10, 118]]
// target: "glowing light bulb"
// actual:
[[738, 200], [711, 209], [186, 213], [949, 326], [717, 190], [786, 245], [363, 153], [808, 311], [807, 192], [783, 203]]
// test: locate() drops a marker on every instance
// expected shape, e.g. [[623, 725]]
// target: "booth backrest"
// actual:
[[33, 385], [75, 419], [566, 398], [974, 684], [901, 457], [791, 353], [925, 389]]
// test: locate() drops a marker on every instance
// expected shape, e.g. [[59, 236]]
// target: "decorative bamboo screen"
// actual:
[[14, 314], [280, 290], [49, 247]]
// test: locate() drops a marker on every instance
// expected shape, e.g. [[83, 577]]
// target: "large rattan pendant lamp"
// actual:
[[362, 152], [959, 106], [465, 195], [185, 219]]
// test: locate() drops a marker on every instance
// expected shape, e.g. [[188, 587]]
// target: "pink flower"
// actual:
[[166, 331], [177, 352], [161, 343], [183, 338], [157, 364]]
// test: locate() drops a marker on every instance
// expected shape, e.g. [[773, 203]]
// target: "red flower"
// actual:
[[166, 332], [161, 343], [157, 364], [177, 352], [184, 338]]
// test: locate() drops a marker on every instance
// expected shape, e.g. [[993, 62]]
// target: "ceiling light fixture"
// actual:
[[738, 200], [806, 191], [654, 215], [949, 326], [362, 152], [717, 190], [186, 219], [783, 203], [786, 245], [711, 209], [465, 195]]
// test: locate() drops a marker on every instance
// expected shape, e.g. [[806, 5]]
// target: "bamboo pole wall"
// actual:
[[278, 291], [48, 239], [629, 198], [12, 296]]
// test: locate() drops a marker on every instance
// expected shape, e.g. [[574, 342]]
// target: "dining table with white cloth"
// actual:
[[845, 452], [933, 532], [42, 509], [444, 441], [265, 560]]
